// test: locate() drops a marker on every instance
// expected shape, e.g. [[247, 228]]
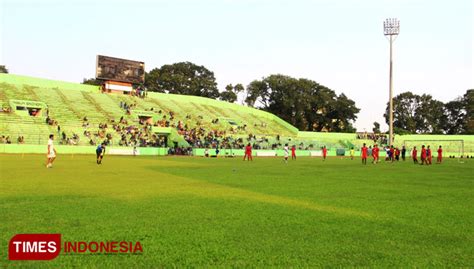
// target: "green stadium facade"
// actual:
[[32, 108]]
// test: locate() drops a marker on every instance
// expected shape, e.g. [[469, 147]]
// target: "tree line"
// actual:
[[413, 113], [302, 102], [311, 106]]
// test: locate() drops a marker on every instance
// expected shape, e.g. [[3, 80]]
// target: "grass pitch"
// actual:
[[226, 212]]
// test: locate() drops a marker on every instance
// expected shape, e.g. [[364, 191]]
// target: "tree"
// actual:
[[376, 128], [414, 113], [229, 94], [404, 112], [344, 113], [304, 103], [468, 100], [238, 88], [92, 81], [151, 80], [455, 116], [3, 69], [182, 78], [257, 89], [430, 115]]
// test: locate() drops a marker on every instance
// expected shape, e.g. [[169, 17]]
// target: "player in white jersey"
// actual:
[[286, 151], [51, 155]]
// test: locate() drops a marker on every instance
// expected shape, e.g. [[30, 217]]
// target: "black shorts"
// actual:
[[98, 154]]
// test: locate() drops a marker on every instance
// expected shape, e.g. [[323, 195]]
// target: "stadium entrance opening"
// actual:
[[163, 135], [30, 111], [162, 140], [29, 108]]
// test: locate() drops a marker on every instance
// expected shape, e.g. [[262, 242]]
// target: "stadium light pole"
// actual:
[[391, 29]]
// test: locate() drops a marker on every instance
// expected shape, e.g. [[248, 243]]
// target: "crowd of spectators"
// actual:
[[127, 107], [5, 140], [6, 109], [73, 139], [139, 92], [140, 134], [377, 138], [188, 151], [194, 129], [129, 135], [50, 121], [199, 135]]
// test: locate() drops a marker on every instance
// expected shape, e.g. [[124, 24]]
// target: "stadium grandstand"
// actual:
[[82, 115]]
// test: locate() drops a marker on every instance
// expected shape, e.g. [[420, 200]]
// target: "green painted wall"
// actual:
[[70, 150], [41, 149]]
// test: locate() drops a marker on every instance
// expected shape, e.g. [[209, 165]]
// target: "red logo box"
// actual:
[[34, 247]]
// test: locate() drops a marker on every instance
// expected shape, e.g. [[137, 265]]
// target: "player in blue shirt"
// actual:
[[100, 151]]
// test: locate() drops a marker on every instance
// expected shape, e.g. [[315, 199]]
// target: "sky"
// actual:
[[339, 44]]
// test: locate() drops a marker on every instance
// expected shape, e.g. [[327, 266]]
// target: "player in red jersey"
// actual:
[[248, 153], [392, 153], [423, 155], [363, 151], [325, 153], [375, 154], [429, 155], [440, 155], [293, 152], [397, 154], [414, 155]]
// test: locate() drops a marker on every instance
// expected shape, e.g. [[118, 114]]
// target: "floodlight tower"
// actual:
[[391, 29]]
